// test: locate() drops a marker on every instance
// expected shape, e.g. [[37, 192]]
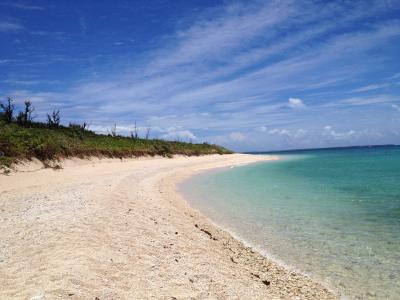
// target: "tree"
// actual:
[[25, 117], [85, 126], [79, 127], [148, 132], [8, 110], [53, 120], [29, 109], [134, 133]]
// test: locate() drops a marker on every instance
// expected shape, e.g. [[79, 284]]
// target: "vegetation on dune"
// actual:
[[22, 138]]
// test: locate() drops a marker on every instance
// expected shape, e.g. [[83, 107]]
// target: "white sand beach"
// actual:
[[115, 229]]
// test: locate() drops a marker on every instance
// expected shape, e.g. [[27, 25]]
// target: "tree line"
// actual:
[[26, 117]]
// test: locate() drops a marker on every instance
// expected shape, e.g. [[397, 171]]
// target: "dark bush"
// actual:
[[8, 110], [53, 120]]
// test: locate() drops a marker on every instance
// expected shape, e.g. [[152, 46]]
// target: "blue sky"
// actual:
[[251, 75]]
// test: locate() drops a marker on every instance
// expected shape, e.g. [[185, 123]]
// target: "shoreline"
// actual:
[[180, 178], [121, 230], [231, 232]]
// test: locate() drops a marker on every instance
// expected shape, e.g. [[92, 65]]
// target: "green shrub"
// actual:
[[37, 140]]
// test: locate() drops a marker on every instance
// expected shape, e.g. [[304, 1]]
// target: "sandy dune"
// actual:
[[118, 230]]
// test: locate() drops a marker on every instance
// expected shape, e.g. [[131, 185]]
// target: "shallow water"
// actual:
[[333, 214]]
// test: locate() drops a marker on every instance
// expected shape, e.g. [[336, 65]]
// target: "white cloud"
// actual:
[[295, 103], [8, 27], [395, 76], [28, 82], [279, 131], [300, 133], [361, 101], [230, 29], [146, 93], [234, 63], [237, 136], [372, 87], [262, 128], [294, 133], [345, 135], [178, 134], [22, 6], [396, 107]]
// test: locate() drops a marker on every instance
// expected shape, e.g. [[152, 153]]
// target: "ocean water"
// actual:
[[333, 214]]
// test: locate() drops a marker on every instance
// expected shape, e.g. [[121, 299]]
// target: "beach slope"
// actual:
[[119, 230]]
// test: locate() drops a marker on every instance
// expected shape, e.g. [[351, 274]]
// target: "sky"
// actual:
[[250, 75]]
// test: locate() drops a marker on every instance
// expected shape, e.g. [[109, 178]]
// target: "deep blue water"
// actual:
[[333, 214]]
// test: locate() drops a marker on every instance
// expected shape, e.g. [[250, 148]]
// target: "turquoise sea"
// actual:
[[331, 213]]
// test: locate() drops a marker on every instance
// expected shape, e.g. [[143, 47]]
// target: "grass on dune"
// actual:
[[18, 142]]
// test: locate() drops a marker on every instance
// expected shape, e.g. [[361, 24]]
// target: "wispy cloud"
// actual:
[[10, 27], [23, 6], [237, 136], [6, 61], [395, 76], [230, 69], [396, 107], [28, 82], [360, 101], [372, 87]]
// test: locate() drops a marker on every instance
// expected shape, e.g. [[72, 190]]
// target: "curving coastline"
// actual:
[[288, 283], [121, 230]]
